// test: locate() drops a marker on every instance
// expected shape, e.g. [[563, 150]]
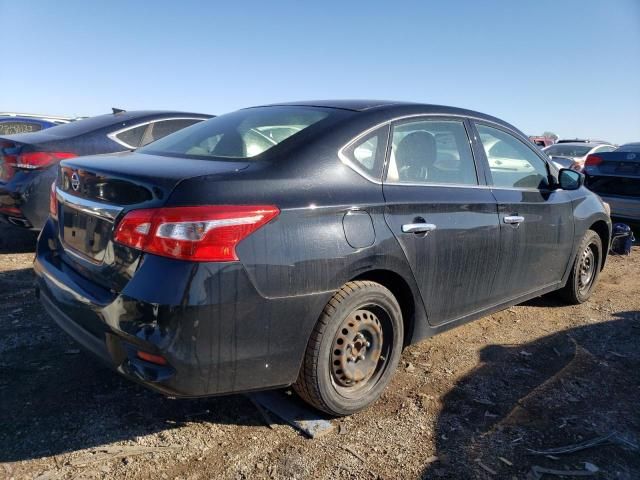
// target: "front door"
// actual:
[[444, 218], [536, 221]]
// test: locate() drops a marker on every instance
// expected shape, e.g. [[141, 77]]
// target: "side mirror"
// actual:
[[570, 179]]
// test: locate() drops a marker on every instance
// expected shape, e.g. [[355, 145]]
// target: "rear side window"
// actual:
[[242, 134], [11, 128], [512, 163], [367, 153], [132, 137], [431, 152], [162, 128]]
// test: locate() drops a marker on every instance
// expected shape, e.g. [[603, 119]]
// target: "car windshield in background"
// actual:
[[242, 134], [568, 150]]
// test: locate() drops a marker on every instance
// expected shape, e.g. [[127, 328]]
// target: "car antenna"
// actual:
[[117, 110]]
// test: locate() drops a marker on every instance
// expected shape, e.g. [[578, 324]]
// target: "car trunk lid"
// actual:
[[614, 173], [93, 193]]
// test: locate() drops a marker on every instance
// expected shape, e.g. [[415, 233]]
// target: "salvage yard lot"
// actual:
[[471, 403]]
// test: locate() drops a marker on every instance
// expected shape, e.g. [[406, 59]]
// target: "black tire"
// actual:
[[353, 351], [585, 270]]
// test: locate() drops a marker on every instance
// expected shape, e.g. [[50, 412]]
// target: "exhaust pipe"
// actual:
[[19, 222]]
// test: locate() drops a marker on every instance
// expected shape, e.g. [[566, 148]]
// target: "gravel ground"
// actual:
[[471, 403]]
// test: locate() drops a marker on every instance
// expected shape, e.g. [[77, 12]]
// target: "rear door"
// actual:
[[536, 222], [443, 216]]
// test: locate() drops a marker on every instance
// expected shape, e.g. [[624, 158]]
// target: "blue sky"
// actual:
[[572, 67]]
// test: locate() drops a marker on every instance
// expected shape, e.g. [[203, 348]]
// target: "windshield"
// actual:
[[566, 150], [242, 134]]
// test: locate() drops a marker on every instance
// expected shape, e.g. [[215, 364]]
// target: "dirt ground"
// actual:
[[475, 402]]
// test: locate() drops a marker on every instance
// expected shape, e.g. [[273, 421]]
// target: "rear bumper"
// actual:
[[218, 334]]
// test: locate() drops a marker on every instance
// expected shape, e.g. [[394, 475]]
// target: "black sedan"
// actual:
[[29, 162], [307, 244]]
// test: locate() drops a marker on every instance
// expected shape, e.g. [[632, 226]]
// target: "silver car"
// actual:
[[573, 155]]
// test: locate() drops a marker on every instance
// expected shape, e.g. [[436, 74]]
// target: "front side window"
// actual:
[[431, 152], [239, 135], [512, 163]]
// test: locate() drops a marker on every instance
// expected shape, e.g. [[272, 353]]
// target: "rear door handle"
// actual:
[[513, 219], [418, 227]]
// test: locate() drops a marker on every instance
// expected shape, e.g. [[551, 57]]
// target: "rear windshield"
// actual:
[[631, 147], [568, 150], [13, 127], [242, 134]]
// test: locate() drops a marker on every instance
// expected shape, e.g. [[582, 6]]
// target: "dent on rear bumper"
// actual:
[[215, 330]]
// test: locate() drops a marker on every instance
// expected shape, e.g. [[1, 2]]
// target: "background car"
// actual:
[[615, 176], [541, 141], [307, 244], [573, 154], [28, 162], [14, 123], [629, 147], [580, 140]]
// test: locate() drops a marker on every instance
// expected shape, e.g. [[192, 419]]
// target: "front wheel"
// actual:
[[353, 350], [585, 270]]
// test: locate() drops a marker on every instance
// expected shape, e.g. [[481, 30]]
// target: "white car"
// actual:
[[573, 155]]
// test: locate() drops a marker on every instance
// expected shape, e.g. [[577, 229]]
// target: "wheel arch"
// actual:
[[603, 231], [412, 311]]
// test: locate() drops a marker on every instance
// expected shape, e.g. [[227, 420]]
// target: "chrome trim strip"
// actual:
[[451, 185], [114, 135], [90, 207]]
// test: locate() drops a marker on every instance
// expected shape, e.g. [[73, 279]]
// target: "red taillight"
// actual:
[[53, 202], [592, 161], [150, 357], [34, 160], [203, 233]]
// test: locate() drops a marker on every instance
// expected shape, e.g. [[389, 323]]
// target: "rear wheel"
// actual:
[[585, 270], [353, 350]]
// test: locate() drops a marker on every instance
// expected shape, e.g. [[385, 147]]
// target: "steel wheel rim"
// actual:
[[586, 269], [360, 350]]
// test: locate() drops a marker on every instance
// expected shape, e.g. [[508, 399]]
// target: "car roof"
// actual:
[[581, 144], [354, 105], [394, 108], [582, 140], [97, 123], [48, 118], [26, 119]]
